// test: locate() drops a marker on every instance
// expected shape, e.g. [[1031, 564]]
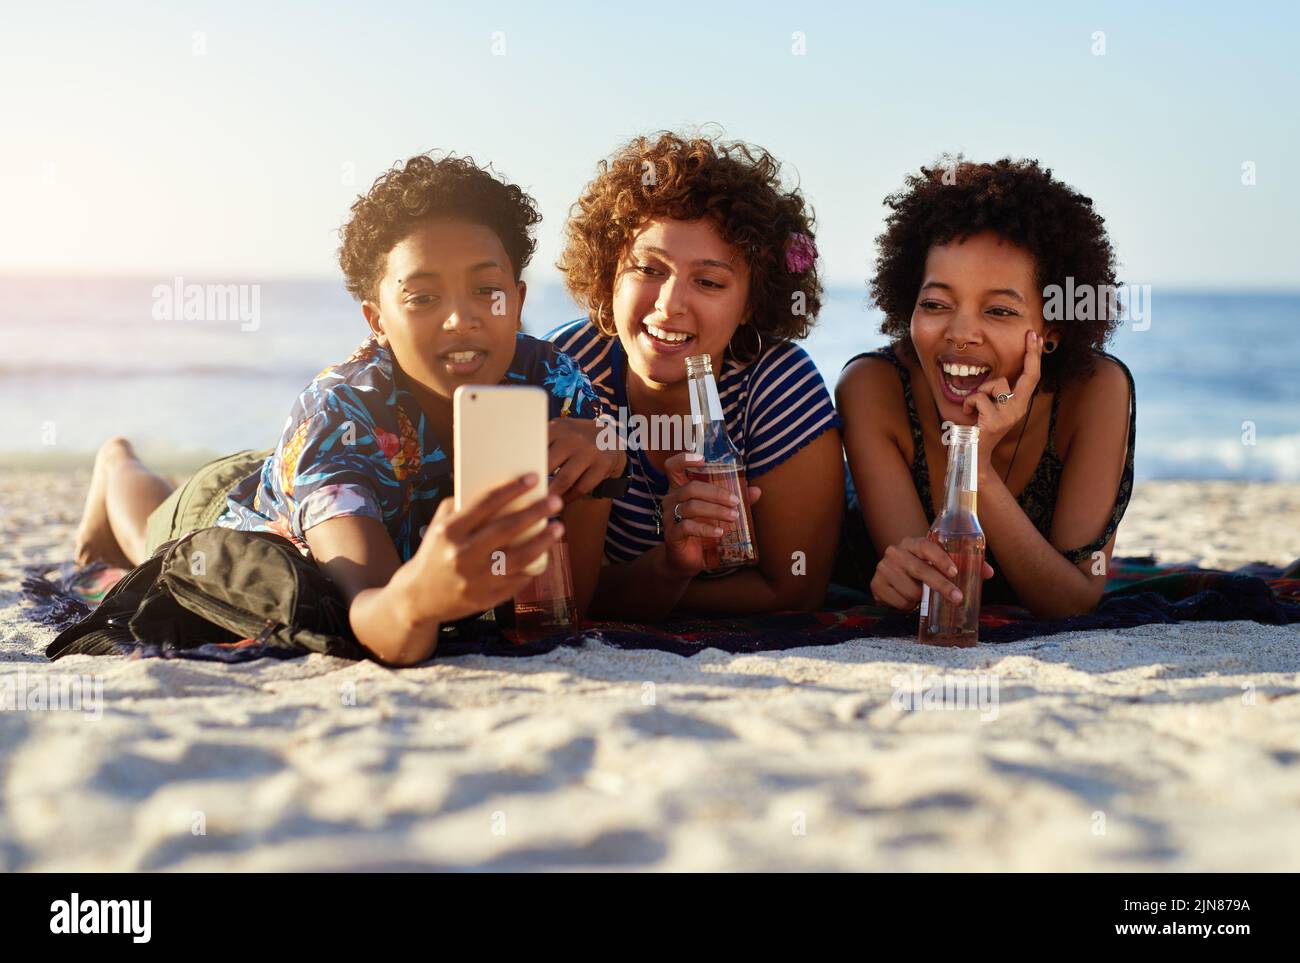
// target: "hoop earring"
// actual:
[[1049, 347], [757, 354]]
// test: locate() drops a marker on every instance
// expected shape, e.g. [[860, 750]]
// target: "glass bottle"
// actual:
[[722, 466], [957, 531], [545, 604]]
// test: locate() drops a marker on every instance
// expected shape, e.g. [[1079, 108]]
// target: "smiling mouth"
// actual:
[[960, 378], [465, 361], [666, 337]]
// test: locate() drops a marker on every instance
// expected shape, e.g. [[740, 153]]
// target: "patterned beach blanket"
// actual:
[[1138, 592]]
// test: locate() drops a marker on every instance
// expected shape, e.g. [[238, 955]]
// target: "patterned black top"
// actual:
[[1038, 499]]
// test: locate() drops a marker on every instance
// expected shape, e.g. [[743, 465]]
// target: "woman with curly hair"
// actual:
[[686, 246], [360, 479], [970, 269]]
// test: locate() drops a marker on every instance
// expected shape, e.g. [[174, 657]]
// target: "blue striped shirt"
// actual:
[[773, 406]]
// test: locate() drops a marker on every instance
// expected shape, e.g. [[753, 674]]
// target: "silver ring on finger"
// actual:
[[677, 513], [1003, 397]]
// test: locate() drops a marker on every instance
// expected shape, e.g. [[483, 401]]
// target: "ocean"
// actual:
[[86, 359]]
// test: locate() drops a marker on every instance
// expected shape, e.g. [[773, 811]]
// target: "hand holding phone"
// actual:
[[463, 565], [500, 434]]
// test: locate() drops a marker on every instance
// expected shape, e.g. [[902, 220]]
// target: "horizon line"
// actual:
[[840, 284]]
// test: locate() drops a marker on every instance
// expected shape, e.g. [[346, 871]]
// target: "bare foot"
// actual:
[[95, 541]]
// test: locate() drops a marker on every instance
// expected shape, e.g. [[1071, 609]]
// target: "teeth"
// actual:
[[461, 357], [965, 370], [672, 337]]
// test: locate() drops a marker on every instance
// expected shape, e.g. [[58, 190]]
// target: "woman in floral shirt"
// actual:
[[359, 481], [358, 443]]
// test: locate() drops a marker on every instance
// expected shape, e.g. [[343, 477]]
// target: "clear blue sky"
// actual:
[[126, 152]]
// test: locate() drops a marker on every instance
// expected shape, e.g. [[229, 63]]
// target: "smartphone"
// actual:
[[500, 434]]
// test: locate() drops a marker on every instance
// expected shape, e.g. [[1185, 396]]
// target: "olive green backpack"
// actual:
[[219, 585]]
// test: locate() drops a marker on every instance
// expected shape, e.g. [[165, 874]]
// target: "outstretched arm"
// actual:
[[396, 609]]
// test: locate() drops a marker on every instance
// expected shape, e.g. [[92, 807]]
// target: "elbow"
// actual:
[[800, 595], [584, 605], [392, 637], [406, 656], [807, 601], [1056, 610], [1068, 605]]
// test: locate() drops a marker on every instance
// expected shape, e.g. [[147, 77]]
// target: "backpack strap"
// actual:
[[95, 634]]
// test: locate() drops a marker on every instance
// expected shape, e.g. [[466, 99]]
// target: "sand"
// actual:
[[1160, 747]]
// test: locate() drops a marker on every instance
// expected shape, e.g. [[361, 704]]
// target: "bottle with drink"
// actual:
[[545, 604], [722, 466], [957, 531]]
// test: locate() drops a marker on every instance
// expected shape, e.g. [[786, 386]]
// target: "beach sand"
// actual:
[[1159, 747]]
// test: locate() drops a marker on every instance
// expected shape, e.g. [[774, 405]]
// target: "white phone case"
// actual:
[[500, 434]]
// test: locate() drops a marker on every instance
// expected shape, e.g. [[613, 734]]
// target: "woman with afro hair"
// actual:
[[690, 245], [969, 273]]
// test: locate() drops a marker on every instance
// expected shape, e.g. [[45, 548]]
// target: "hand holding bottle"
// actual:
[[469, 560], [912, 563], [705, 509]]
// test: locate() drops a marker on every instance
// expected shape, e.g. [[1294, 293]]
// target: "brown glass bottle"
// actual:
[[957, 531], [545, 605]]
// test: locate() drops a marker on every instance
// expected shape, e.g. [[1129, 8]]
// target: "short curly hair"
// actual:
[[1021, 202], [736, 185], [426, 188]]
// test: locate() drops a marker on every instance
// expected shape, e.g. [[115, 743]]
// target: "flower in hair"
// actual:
[[800, 253]]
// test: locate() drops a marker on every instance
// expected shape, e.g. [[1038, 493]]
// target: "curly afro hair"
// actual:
[[426, 188], [1021, 202], [737, 186]]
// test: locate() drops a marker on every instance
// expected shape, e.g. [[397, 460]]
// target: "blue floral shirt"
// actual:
[[357, 443]]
